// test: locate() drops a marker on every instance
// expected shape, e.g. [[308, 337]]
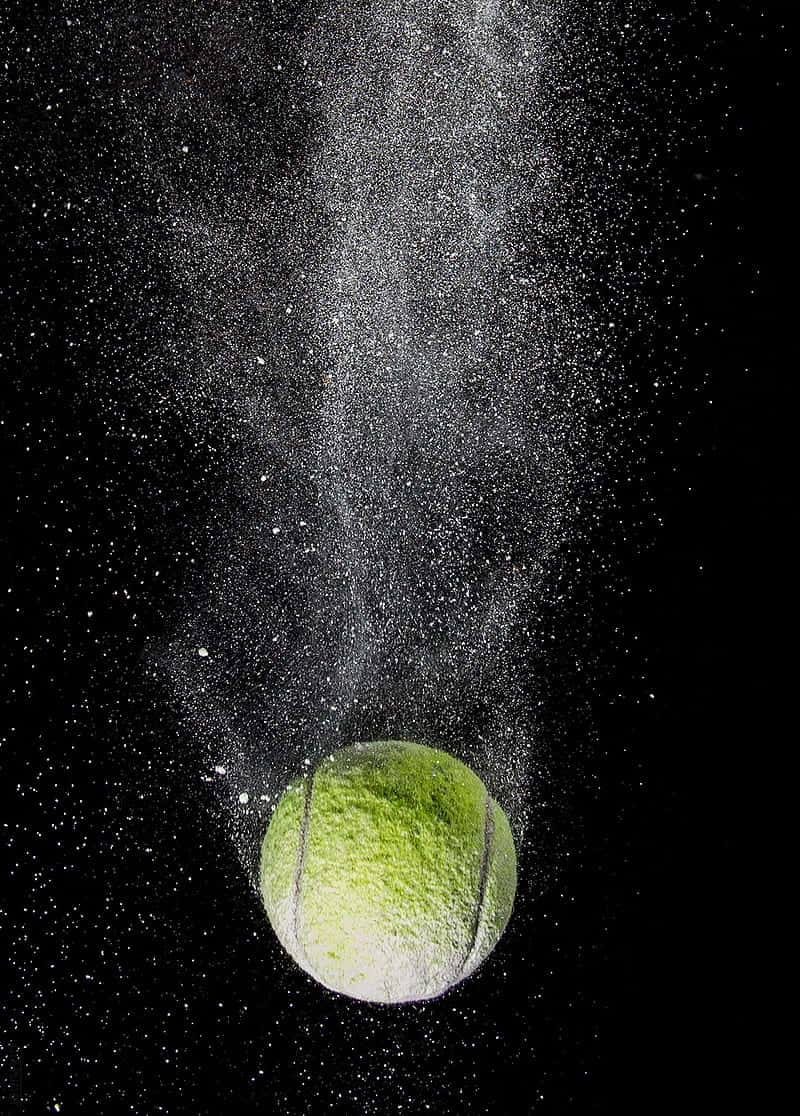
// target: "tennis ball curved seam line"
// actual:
[[483, 883], [302, 848], [481, 890]]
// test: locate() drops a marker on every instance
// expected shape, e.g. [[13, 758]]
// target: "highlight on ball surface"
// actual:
[[388, 872]]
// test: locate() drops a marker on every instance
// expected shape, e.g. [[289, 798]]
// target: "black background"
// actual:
[[142, 975]]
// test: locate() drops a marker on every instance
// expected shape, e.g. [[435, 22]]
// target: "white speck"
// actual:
[[244, 798], [260, 360], [220, 770], [90, 613], [202, 652], [263, 477], [185, 149], [276, 530]]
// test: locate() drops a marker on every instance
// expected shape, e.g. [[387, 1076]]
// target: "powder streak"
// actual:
[[410, 409]]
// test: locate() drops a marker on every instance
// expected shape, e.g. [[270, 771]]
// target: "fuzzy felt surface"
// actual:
[[390, 873]]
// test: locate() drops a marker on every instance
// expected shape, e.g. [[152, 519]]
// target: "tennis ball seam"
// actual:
[[302, 848], [296, 918], [483, 881]]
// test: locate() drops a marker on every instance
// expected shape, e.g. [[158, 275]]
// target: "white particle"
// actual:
[[220, 770], [276, 530], [202, 652], [244, 798]]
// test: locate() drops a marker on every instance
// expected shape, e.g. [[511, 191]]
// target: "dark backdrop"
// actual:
[[142, 976]]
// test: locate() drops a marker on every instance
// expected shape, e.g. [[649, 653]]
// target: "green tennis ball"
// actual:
[[389, 872]]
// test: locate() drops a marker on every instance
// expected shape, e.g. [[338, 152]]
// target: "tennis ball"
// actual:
[[388, 873]]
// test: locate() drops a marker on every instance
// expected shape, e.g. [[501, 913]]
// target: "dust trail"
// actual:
[[395, 331], [444, 430]]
